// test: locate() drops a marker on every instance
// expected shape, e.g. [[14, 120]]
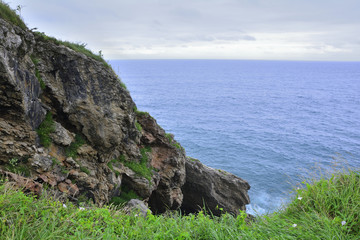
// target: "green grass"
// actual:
[[125, 196], [170, 137], [324, 205], [71, 151], [85, 170], [77, 47], [42, 83], [193, 159], [138, 126], [18, 166], [121, 159], [37, 73], [10, 15], [140, 113], [56, 162], [142, 168], [122, 84], [44, 130]]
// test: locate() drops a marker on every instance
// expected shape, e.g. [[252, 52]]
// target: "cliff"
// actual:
[[67, 122]]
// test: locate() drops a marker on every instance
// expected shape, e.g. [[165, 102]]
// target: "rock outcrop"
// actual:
[[213, 189], [67, 121]]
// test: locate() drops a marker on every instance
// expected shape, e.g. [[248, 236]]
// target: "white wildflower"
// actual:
[[64, 205], [299, 198], [294, 225], [81, 208], [343, 223]]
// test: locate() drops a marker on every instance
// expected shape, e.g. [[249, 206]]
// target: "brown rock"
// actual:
[[27, 184]]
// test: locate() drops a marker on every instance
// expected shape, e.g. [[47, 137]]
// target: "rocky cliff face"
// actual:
[[213, 189], [67, 121]]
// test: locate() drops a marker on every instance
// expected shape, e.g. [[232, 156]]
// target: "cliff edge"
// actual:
[[67, 121]]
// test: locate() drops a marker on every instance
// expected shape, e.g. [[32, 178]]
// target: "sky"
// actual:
[[313, 30]]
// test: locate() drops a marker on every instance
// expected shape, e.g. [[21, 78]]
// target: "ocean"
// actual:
[[272, 123]]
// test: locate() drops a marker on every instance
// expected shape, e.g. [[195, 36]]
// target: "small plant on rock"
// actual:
[[44, 130]]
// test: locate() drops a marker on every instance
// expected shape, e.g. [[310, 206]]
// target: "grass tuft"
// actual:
[[125, 196], [10, 15], [77, 47], [85, 170], [170, 137], [138, 126], [37, 73], [71, 151], [142, 168], [140, 113], [44, 130]]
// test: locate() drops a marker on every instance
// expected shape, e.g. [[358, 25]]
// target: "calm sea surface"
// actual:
[[268, 122]]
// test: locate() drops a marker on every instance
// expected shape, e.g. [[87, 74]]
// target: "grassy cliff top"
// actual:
[[324, 209], [10, 15]]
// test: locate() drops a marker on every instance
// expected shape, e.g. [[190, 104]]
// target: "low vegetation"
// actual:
[[56, 162], [44, 130], [170, 137], [142, 169], [193, 159], [140, 113], [37, 73], [77, 47], [125, 196], [138, 126], [71, 151], [10, 15], [85, 170], [323, 209], [18, 166]]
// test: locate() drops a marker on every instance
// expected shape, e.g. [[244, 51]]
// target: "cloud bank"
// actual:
[[217, 29]]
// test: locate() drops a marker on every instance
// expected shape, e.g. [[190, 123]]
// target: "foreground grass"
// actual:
[[325, 209]]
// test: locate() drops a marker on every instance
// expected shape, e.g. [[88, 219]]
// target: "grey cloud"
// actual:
[[249, 38], [178, 22]]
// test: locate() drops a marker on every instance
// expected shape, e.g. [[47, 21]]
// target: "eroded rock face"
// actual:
[[86, 99], [95, 148], [218, 190], [168, 157]]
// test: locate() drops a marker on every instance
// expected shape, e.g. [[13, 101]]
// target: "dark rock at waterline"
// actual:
[[214, 190]]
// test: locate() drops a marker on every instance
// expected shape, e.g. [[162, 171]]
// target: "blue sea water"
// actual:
[[268, 122]]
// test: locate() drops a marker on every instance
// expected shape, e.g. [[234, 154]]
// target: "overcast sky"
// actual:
[[203, 29]]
